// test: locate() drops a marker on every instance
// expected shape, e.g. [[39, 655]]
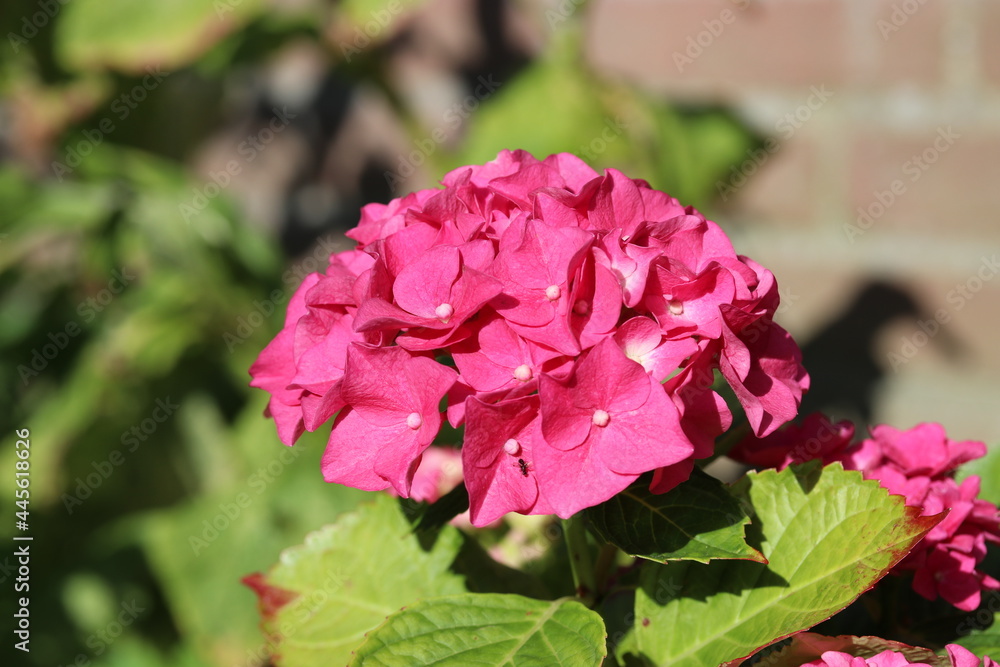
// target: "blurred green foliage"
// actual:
[[127, 326]]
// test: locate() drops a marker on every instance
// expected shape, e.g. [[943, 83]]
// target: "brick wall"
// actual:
[[886, 166]]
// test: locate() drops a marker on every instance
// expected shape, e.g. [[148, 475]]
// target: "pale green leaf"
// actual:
[[323, 596]]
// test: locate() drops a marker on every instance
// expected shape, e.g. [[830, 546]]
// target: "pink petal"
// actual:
[[426, 282], [287, 418], [691, 303], [406, 246], [616, 202], [439, 471], [500, 481], [667, 477], [317, 409], [385, 385], [704, 414], [644, 439], [597, 301], [572, 480], [350, 453], [773, 386], [533, 257], [961, 656], [604, 379]]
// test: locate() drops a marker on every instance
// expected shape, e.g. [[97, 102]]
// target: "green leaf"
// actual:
[[376, 15], [984, 642], [828, 536], [486, 629], [693, 152], [552, 106], [807, 646], [698, 520], [323, 596], [131, 35]]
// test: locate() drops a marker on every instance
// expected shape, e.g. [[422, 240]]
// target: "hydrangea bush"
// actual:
[[535, 338]]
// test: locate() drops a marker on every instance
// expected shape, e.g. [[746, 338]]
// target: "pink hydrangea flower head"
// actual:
[[950, 574], [573, 322], [918, 464]]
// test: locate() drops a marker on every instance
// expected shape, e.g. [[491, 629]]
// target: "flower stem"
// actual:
[[580, 560], [606, 557]]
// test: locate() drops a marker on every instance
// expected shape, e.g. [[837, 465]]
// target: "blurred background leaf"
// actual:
[[131, 36]]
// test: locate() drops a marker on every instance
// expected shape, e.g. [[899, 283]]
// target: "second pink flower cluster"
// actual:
[[918, 464]]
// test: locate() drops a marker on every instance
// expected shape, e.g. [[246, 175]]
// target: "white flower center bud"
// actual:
[[553, 292], [444, 311], [675, 307], [523, 372], [512, 447], [601, 418], [414, 420]]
